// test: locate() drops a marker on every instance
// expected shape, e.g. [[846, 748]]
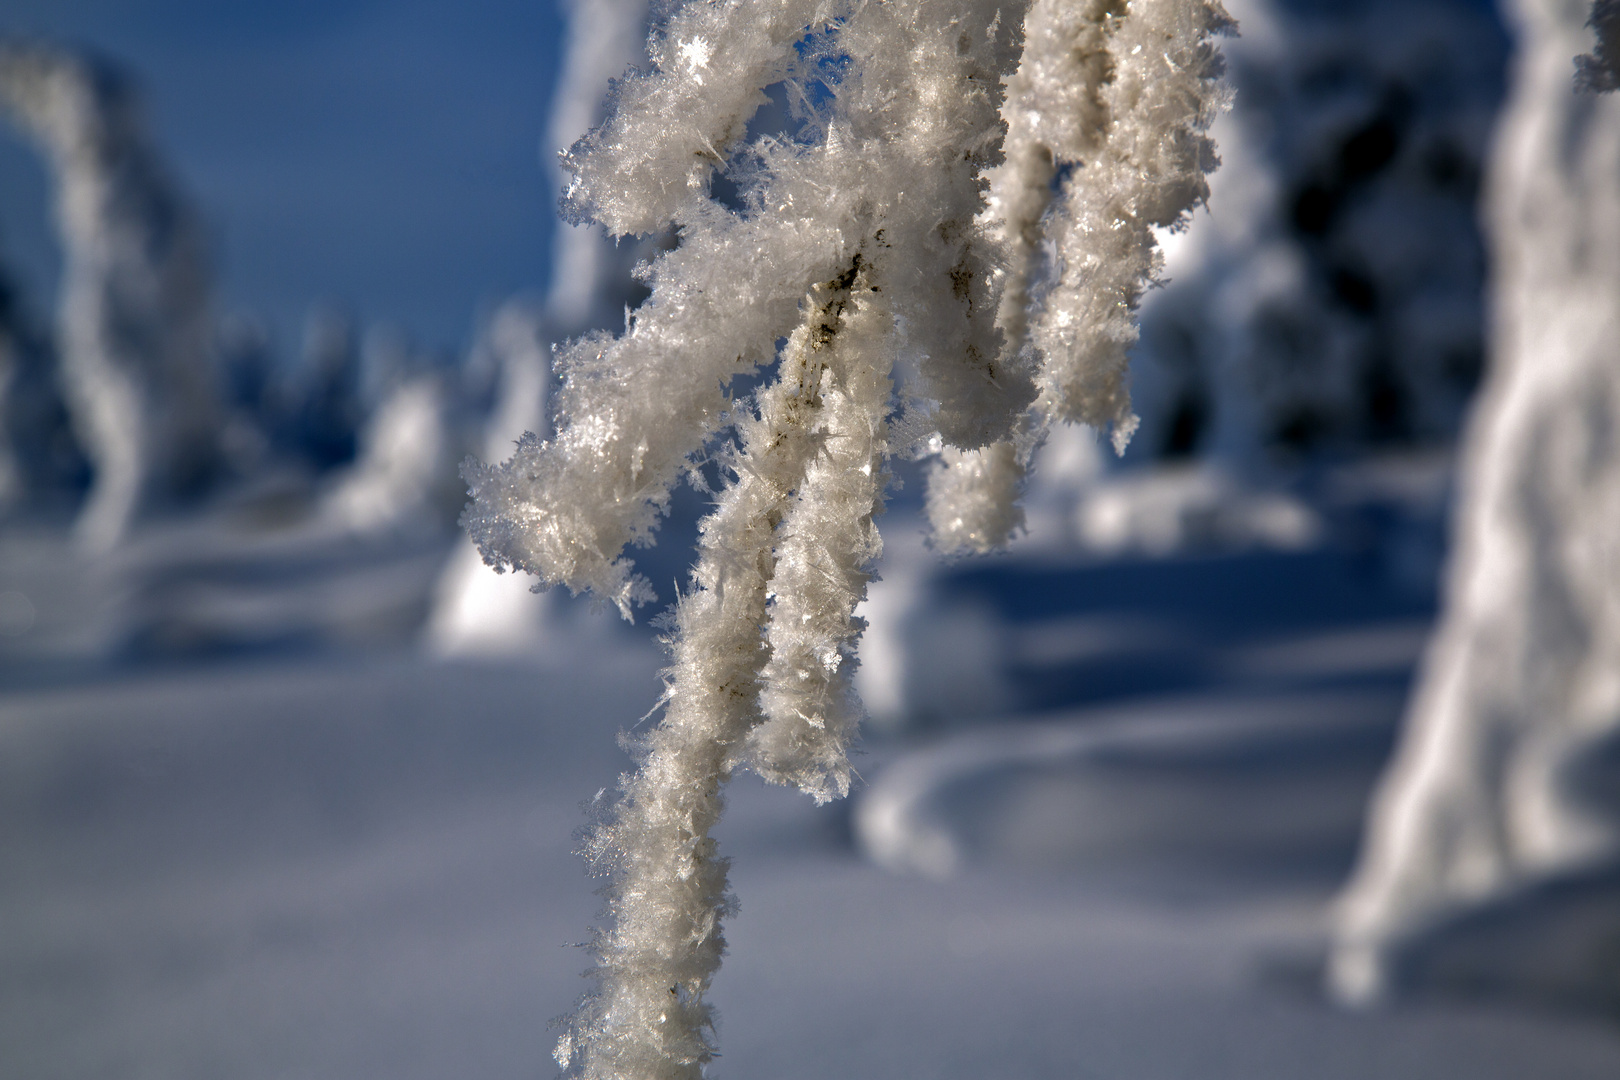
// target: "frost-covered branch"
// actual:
[[813, 435], [1107, 121], [864, 240]]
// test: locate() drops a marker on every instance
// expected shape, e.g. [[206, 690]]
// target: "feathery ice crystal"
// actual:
[[965, 204]]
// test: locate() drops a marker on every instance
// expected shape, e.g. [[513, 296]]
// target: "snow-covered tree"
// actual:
[[591, 284], [40, 461], [474, 611], [1334, 300], [1503, 785], [966, 202], [135, 334]]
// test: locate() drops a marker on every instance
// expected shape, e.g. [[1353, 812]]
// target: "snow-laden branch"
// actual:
[[864, 240], [1107, 140], [813, 433], [908, 129]]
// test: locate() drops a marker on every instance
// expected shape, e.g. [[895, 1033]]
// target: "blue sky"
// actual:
[[381, 154]]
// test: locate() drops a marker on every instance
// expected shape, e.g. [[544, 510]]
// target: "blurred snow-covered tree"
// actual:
[[592, 284], [1335, 301], [1492, 855], [41, 463], [135, 333]]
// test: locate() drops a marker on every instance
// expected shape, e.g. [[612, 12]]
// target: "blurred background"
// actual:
[[289, 781]]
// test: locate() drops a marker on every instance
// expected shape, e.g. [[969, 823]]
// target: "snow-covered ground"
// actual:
[[357, 870], [318, 854]]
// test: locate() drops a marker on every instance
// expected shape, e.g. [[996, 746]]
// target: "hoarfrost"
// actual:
[[863, 239], [1107, 120]]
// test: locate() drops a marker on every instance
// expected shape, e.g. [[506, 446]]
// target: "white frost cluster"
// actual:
[[862, 240], [1107, 140]]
